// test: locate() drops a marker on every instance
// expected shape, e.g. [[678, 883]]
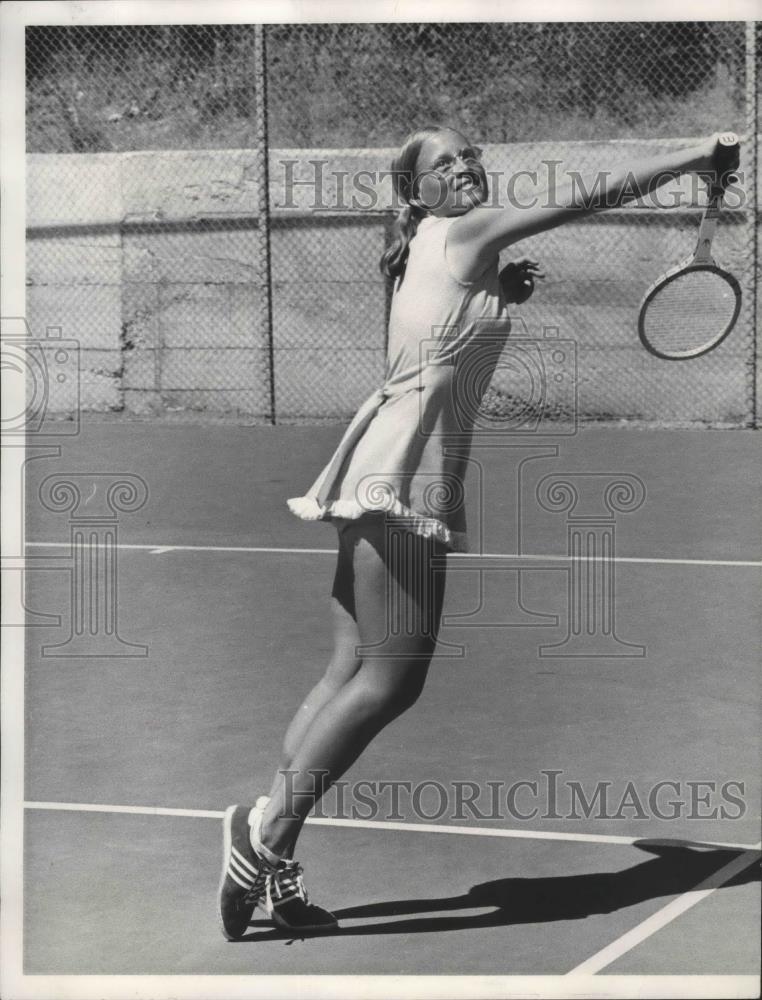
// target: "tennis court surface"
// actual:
[[131, 760]]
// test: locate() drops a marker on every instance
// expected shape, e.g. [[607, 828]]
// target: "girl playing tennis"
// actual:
[[395, 492]]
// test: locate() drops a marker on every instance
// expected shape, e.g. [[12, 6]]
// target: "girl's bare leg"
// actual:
[[386, 682], [344, 662]]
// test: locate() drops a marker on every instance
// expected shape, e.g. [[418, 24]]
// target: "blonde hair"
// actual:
[[394, 258]]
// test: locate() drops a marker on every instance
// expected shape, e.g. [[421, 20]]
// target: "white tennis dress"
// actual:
[[406, 450]]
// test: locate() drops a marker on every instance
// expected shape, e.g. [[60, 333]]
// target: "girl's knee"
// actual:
[[385, 694], [341, 668]]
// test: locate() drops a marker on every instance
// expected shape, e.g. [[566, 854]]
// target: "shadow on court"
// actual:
[[676, 869]]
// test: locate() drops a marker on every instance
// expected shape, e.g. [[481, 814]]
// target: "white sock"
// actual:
[[256, 814]]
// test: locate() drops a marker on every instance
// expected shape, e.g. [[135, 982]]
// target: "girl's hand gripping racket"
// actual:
[[693, 307], [517, 279]]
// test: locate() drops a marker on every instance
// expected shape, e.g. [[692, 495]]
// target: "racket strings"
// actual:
[[689, 313]]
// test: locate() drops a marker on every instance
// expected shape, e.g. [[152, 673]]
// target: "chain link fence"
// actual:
[[206, 213]]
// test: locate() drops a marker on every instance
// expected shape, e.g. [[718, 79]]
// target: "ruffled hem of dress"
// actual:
[[308, 509]]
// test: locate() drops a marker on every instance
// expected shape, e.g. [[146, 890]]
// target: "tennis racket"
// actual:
[[692, 308]]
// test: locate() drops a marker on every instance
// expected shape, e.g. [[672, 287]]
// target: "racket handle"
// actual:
[[726, 158]]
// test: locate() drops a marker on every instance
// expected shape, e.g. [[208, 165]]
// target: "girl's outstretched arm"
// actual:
[[480, 234]]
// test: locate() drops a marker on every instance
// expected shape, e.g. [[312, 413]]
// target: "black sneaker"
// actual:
[[244, 875], [287, 904]]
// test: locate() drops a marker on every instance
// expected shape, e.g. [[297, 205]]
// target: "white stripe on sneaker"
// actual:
[[243, 875], [243, 885], [246, 866]]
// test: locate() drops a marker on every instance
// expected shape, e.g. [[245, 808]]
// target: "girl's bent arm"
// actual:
[[478, 236]]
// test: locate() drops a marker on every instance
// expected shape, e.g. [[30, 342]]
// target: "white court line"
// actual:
[[158, 549], [161, 549], [130, 810], [667, 914], [370, 824]]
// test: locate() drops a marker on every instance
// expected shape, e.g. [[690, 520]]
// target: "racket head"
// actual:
[[689, 311]]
